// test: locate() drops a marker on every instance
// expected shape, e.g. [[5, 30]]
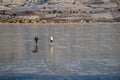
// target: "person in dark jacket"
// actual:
[[36, 39]]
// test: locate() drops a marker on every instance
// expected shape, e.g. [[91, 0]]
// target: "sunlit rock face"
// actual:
[[6, 2]]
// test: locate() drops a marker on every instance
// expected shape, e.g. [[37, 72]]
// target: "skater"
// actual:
[[36, 46], [51, 39]]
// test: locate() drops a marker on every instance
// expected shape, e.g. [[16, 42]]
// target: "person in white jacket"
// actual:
[[51, 39]]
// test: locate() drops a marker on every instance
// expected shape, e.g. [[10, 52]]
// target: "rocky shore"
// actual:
[[50, 20], [62, 13]]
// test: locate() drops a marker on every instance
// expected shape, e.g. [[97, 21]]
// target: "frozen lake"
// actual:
[[78, 51]]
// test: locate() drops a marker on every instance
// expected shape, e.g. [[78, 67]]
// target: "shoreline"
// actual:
[[25, 21], [65, 23]]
